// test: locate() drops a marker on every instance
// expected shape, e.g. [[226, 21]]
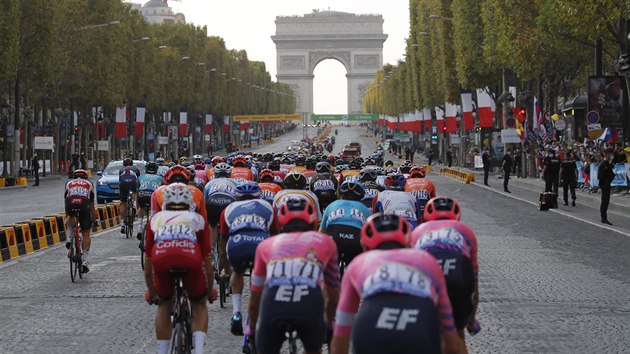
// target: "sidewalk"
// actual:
[[31, 181]]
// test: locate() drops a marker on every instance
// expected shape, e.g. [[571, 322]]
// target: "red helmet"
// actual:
[[297, 209], [442, 208], [200, 166], [239, 161], [216, 160], [175, 171], [417, 172], [380, 228], [266, 176]]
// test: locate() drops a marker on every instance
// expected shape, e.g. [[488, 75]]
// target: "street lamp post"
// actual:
[[4, 113]]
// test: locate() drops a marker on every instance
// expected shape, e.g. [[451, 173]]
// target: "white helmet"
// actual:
[[178, 197]]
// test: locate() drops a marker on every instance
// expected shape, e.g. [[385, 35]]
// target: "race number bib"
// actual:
[[296, 271], [445, 239], [420, 194], [78, 192], [175, 232], [397, 277]]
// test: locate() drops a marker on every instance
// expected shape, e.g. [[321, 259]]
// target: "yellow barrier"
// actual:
[[2, 182], [465, 177], [89, 173], [21, 181], [41, 232], [27, 238], [11, 242]]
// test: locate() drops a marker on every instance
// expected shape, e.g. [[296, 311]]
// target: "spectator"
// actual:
[[35, 164], [430, 155], [568, 175], [485, 157], [82, 161], [449, 158], [411, 153], [74, 164], [518, 164], [606, 175], [507, 167], [551, 171]]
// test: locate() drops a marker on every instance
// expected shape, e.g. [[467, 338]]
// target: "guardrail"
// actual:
[[28, 236], [464, 177]]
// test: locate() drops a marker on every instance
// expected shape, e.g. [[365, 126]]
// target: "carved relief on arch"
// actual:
[[316, 57], [292, 62]]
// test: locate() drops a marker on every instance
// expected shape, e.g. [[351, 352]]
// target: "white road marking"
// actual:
[[557, 211]]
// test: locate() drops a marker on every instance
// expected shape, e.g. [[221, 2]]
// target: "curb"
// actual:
[[35, 234]]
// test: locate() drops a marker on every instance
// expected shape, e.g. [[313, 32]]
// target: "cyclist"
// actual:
[[178, 174], [244, 224], [279, 176], [367, 177], [218, 194], [240, 171], [199, 177], [352, 173], [295, 295], [454, 245], [420, 187], [405, 167], [162, 168], [394, 200], [148, 182], [79, 198], [324, 185], [402, 293], [342, 220], [268, 188], [178, 238], [127, 182], [294, 187]]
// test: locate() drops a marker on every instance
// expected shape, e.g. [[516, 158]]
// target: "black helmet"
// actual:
[[367, 174], [351, 190], [323, 167], [151, 167], [127, 162], [295, 180]]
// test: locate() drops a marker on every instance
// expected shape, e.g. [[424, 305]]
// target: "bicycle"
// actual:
[[223, 282], [181, 341], [142, 223], [75, 252], [290, 333], [129, 215]]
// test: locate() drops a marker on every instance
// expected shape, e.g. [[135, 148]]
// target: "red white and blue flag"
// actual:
[[467, 109], [208, 127], [183, 121], [141, 110], [120, 129]]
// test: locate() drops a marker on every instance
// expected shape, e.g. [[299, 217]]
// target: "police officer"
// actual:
[[485, 157], [568, 174], [606, 175], [551, 171]]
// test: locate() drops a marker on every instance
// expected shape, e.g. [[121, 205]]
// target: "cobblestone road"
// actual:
[[548, 284]]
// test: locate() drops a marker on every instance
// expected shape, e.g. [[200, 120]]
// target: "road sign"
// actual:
[[344, 117], [162, 140], [510, 135], [102, 145], [43, 143], [592, 117], [561, 124], [510, 122]]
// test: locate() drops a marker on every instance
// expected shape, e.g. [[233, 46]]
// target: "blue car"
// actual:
[[107, 185]]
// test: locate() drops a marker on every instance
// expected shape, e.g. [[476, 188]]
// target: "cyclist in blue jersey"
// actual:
[[148, 182], [367, 177], [244, 224], [343, 219], [127, 181]]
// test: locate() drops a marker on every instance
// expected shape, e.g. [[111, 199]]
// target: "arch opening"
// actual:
[[330, 87]]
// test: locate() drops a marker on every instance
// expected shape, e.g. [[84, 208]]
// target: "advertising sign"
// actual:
[[607, 96], [344, 117], [510, 135], [102, 145], [43, 143]]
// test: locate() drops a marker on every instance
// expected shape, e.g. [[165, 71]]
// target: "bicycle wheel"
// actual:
[[222, 292], [73, 267], [78, 239], [180, 343]]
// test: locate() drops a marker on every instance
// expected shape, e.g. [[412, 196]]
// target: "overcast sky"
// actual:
[[249, 25]]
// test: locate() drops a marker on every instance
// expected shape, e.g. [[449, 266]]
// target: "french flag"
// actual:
[[183, 121], [439, 116], [537, 114], [485, 109], [226, 124], [140, 113], [208, 127], [451, 117], [416, 125], [120, 129], [467, 107]]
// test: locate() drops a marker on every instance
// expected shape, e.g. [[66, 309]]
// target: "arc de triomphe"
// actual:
[[302, 42]]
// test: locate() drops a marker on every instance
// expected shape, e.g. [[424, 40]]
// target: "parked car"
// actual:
[[107, 184], [355, 145]]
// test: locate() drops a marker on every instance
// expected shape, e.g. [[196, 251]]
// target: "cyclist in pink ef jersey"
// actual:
[[454, 246], [286, 283], [404, 304]]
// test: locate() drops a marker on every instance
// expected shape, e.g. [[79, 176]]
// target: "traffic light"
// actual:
[[76, 129], [434, 136]]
